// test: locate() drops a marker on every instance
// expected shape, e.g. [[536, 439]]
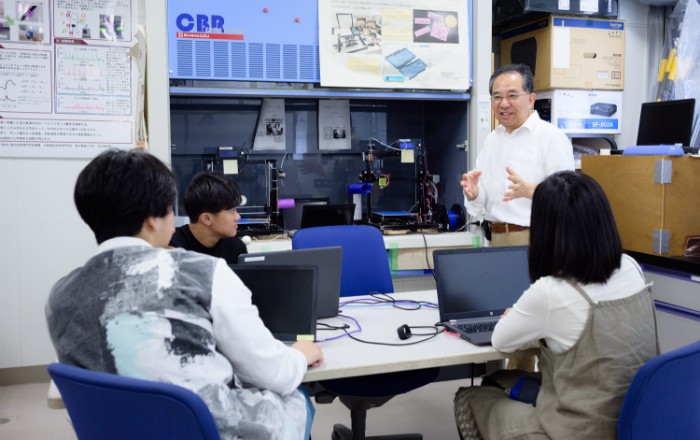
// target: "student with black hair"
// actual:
[[588, 310], [169, 315], [210, 202]]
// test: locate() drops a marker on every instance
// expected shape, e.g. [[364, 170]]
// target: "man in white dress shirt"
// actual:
[[516, 156]]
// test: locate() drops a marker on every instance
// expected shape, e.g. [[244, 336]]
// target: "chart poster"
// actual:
[[396, 44], [67, 78]]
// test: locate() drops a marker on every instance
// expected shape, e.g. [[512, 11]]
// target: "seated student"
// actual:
[[588, 310], [210, 201], [138, 309]]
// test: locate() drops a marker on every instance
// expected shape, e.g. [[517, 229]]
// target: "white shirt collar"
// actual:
[[118, 242], [528, 124]]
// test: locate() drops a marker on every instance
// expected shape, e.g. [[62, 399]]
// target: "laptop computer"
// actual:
[[476, 285], [285, 297], [327, 215], [666, 123], [292, 216], [327, 259]]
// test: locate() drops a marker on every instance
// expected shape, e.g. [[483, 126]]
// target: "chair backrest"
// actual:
[[365, 261], [663, 400], [110, 407]]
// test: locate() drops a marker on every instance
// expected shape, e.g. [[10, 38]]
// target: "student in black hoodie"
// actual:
[[211, 201]]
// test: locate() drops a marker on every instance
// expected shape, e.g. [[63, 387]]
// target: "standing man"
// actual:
[[210, 202], [517, 155]]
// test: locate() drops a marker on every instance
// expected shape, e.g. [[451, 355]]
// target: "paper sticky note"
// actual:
[[230, 166]]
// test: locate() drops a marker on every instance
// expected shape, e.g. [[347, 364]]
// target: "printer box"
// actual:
[[581, 111], [654, 199], [569, 52]]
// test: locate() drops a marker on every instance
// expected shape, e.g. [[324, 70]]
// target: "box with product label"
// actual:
[[581, 111], [569, 52]]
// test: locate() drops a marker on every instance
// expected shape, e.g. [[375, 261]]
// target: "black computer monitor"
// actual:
[[327, 215], [292, 216], [666, 123]]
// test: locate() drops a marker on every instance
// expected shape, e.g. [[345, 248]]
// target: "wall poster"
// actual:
[[67, 78], [398, 44]]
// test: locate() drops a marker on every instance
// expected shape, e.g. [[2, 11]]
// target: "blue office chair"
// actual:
[[663, 400], [365, 270], [110, 407], [365, 262]]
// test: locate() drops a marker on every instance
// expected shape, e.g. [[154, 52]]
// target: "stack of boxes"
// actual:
[[579, 68]]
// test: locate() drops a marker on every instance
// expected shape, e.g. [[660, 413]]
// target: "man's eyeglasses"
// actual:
[[496, 99]]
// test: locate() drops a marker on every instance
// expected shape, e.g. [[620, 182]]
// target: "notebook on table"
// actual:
[[476, 285], [327, 259], [285, 296]]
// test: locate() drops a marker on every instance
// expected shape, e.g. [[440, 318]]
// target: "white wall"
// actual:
[[635, 15], [480, 106], [43, 239]]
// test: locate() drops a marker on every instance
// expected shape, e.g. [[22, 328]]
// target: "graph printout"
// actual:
[[68, 80]]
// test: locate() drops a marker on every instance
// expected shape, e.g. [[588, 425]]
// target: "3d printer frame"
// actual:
[[270, 211], [423, 197]]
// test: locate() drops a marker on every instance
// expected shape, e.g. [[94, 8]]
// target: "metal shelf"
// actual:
[[320, 93]]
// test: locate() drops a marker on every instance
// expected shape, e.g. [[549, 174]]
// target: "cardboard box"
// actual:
[[581, 111], [652, 217], [569, 52]]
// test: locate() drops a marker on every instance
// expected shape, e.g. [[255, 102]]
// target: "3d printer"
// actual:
[[261, 214], [421, 214]]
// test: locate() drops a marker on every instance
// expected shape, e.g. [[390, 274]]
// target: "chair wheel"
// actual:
[[341, 432]]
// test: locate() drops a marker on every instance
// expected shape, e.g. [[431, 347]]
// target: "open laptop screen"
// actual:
[[329, 263], [474, 282], [285, 296], [666, 123]]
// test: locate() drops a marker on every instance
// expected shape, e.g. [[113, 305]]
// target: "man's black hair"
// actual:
[[572, 230], [118, 190], [210, 192], [524, 71]]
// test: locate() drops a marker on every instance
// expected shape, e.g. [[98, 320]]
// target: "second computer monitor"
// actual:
[[292, 216], [327, 215], [666, 123]]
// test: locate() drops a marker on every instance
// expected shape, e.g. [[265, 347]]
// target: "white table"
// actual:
[[345, 357]]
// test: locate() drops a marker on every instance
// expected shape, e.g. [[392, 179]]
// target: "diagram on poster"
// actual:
[[25, 22], [91, 79], [108, 20], [25, 82], [417, 44]]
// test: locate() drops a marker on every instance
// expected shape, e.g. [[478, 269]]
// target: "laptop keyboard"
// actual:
[[477, 327]]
